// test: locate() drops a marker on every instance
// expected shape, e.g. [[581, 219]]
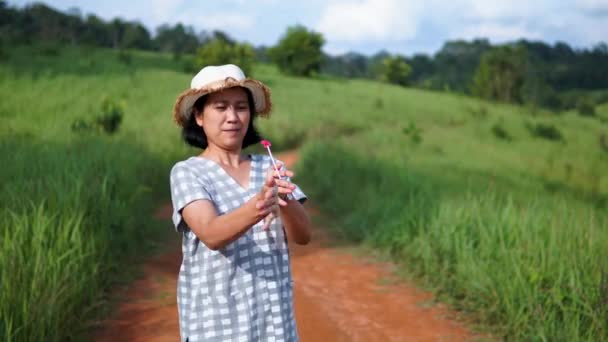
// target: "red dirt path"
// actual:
[[338, 297]]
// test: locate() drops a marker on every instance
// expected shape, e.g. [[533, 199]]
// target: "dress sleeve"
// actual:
[[186, 188]]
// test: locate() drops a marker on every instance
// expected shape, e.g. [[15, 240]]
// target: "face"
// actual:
[[225, 118]]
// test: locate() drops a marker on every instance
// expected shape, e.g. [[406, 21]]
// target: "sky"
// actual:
[[368, 26]]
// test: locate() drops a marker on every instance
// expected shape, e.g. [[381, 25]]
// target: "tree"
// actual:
[[178, 39], [298, 52], [220, 51], [456, 62], [501, 74], [395, 70], [136, 36], [350, 64]]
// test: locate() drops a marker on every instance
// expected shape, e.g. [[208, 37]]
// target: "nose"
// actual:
[[231, 114]]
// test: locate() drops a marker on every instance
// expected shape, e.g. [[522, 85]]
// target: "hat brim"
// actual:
[[260, 92]]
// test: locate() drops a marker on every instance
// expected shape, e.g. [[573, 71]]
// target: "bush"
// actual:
[[107, 121], [394, 69], [603, 141], [500, 132], [585, 107], [125, 57], [545, 131], [110, 117], [478, 113], [298, 52], [220, 51], [414, 132]]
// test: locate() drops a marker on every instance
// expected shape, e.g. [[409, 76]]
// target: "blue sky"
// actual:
[[367, 26]]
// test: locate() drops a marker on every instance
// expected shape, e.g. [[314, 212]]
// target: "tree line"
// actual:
[[523, 71]]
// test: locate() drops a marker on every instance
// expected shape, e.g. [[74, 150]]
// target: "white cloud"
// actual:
[[497, 10], [370, 20]]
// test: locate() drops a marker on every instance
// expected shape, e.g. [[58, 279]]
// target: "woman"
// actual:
[[235, 215]]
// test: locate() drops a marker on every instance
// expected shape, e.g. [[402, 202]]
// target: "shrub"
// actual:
[[545, 131], [394, 69], [110, 117], [414, 133], [125, 57], [585, 107], [500, 132], [222, 51], [478, 113], [107, 121]]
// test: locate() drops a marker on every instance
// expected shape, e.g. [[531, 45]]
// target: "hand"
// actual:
[[273, 193], [267, 203], [284, 187]]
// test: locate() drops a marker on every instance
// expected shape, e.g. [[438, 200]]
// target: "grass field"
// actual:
[[485, 203]]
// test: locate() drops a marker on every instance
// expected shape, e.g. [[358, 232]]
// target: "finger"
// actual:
[[270, 193], [267, 204], [284, 191], [285, 184], [268, 221], [269, 177], [282, 202]]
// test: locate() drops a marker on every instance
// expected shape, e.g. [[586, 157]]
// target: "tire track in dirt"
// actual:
[[338, 297]]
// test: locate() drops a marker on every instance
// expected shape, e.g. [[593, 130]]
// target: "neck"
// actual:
[[222, 156]]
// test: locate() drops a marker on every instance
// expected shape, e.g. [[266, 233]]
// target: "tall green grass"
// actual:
[[527, 264], [70, 216], [76, 208]]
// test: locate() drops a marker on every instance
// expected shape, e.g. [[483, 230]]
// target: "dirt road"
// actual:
[[339, 296]]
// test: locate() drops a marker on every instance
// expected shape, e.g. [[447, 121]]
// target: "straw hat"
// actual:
[[215, 78]]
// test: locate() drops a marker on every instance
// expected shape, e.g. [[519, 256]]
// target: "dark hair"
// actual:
[[194, 134]]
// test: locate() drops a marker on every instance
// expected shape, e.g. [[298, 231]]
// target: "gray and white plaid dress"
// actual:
[[244, 291]]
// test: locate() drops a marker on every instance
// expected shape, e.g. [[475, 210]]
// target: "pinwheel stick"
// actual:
[[267, 145]]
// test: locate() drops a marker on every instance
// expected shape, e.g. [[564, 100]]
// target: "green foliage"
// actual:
[[107, 121], [501, 73], [585, 106], [219, 51], [177, 39], [414, 132], [70, 216], [529, 268], [533, 266], [545, 131], [603, 142], [395, 70], [480, 113], [298, 52], [501, 132], [125, 57]]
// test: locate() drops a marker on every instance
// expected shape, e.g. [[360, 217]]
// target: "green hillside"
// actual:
[[501, 209]]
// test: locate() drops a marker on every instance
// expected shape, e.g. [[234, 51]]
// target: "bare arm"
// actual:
[[294, 217], [217, 231], [296, 222]]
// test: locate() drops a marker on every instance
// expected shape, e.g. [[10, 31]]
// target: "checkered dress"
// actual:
[[244, 291]]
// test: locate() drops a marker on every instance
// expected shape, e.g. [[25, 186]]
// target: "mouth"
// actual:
[[232, 130]]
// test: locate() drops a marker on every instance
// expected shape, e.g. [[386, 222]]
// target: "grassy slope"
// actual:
[[357, 132], [74, 207]]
